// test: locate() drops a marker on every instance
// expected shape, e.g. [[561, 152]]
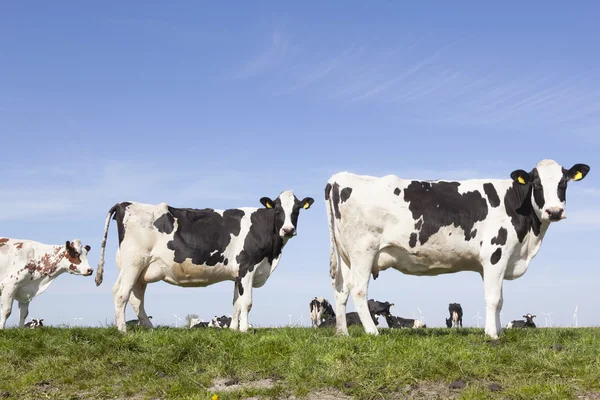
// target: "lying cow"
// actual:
[[320, 310], [135, 322], [35, 323], [198, 323], [198, 247], [456, 314], [493, 227], [27, 268], [399, 322], [527, 323], [376, 309]]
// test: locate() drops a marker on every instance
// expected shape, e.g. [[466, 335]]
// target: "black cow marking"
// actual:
[[500, 237], [345, 194], [419, 224], [538, 190], [496, 256], [119, 210], [517, 202], [238, 285], [440, 204], [262, 241], [165, 223], [327, 191], [413, 240], [492, 194], [203, 235], [335, 197], [397, 191], [473, 233]]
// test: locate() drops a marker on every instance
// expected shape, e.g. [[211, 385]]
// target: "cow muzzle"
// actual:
[[88, 272], [555, 213], [287, 232]]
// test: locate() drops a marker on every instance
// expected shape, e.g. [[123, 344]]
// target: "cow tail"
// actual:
[[333, 261], [100, 270]]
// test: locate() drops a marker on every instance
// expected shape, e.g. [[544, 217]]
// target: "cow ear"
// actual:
[[521, 177], [68, 245], [88, 248], [307, 202], [267, 202], [578, 171]]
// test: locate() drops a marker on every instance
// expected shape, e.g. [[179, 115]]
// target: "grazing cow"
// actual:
[[376, 309], [320, 310], [198, 323], [399, 322], [35, 323], [135, 322], [456, 314], [199, 247], [27, 268], [490, 226], [527, 323]]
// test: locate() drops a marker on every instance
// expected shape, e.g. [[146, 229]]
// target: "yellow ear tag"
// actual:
[[269, 205], [306, 205], [521, 180], [578, 176]]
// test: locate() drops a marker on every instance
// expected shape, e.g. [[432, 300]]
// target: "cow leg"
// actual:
[[360, 287], [136, 299], [341, 291], [8, 296], [235, 317], [122, 291], [23, 313], [493, 278], [245, 301]]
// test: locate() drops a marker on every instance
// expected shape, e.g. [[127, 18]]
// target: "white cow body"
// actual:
[[27, 269], [493, 227]]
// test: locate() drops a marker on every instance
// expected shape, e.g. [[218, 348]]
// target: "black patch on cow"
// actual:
[[345, 194], [538, 190], [500, 237], [335, 196], [203, 235], [562, 186], [419, 224], [327, 191], [413, 240], [492, 194], [119, 210], [263, 240], [496, 255], [397, 191], [473, 233], [440, 204], [238, 285], [165, 223], [517, 202]]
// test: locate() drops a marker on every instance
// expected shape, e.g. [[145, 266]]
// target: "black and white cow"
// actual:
[[135, 322], [198, 247], [376, 309], [320, 310], [490, 226], [527, 323], [456, 314], [28, 268], [399, 322], [35, 323]]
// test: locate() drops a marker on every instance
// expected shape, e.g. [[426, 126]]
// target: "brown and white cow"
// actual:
[[27, 268]]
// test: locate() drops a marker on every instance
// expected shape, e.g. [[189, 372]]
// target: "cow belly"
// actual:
[[424, 262], [188, 274]]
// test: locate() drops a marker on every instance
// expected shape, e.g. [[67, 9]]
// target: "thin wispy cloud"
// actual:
[[269, 58]]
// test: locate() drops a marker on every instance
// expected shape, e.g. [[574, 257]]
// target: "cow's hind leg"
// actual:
[[136, 299], [8, 296], [128, 276], [341, 290], [23, 313], [361, 273]]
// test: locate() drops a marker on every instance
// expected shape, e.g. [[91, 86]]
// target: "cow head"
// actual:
[[529, 317], [448, 322], [379, 307], [77, 256], [548, 183], [287, 208]]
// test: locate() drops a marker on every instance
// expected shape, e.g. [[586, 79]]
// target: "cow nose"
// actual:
[[289, 231], [89, 271], [554, 214]]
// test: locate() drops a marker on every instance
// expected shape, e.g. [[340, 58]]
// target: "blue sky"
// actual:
[[216, 106]]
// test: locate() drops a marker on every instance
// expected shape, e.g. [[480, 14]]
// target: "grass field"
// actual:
[[164, 363]]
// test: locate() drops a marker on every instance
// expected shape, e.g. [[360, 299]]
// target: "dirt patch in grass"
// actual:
[[228, 385]]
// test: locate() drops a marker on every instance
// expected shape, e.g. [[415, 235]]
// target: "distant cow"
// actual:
[[198, 247], [493, 227], [399, 322], [221, 322], [527, 323], [456, 314], [135, 322], [320, 310], [35, 323], [198, 323], [27, 268], [376, 309]]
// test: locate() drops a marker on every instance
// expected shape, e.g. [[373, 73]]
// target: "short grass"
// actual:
[[86, 363]]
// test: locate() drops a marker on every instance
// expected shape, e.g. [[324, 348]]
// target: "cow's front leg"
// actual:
[[493, 277], [8, 296], [23, 313], [242, 302]]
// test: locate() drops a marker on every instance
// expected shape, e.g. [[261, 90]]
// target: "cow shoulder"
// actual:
[[261, 241]]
